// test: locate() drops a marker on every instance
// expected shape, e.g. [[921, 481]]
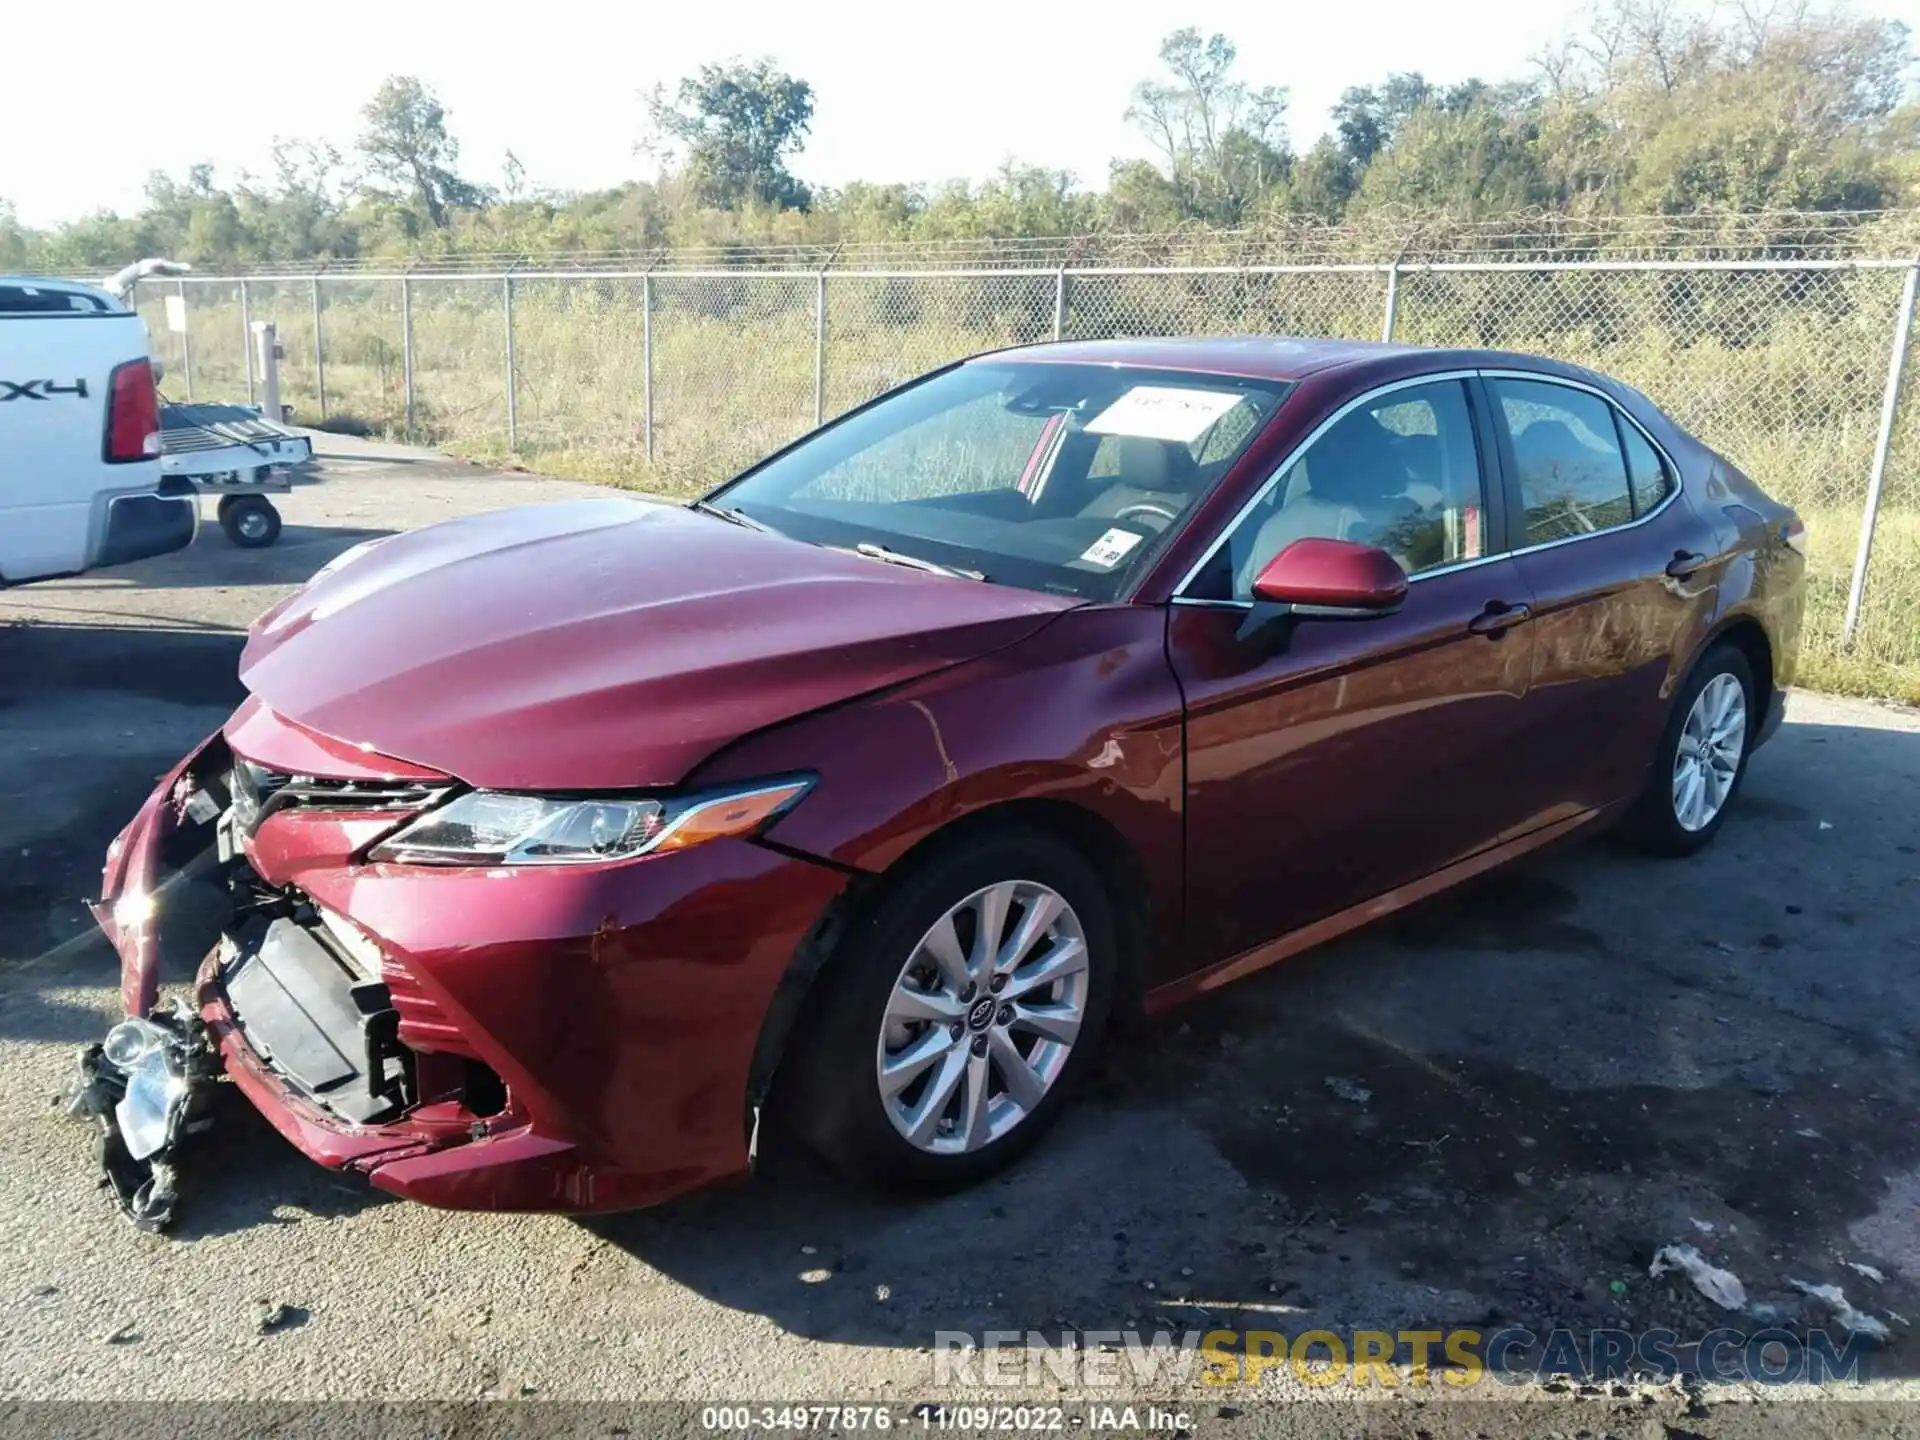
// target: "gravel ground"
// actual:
[[1490, 1111]]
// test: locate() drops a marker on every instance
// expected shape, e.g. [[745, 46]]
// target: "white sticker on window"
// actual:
[[1110, 549], [1163, 412]]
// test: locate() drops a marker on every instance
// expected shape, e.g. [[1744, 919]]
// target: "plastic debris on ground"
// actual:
[[1348, 1090], [1857, 1321], [1722, 1287]]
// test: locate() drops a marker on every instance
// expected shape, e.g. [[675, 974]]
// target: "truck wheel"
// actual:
[[250, 521]]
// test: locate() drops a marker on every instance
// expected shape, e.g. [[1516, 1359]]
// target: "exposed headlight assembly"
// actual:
[[491, 827], [152, 1058]]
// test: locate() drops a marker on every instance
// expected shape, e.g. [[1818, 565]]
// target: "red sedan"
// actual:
[[555, 847]]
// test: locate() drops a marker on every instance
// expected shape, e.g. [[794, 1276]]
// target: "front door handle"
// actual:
[[1684, 563], [1499, 617]]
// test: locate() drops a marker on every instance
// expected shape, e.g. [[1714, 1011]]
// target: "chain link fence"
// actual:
[[671, 379]]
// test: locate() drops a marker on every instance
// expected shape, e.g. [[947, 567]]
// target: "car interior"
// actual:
[[1367, 482]]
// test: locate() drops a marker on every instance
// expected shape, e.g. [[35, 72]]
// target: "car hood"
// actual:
[[603, 644]]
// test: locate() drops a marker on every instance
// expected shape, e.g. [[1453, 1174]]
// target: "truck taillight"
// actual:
[[133, 414]]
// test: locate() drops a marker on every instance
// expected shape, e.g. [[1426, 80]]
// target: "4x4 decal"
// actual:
[[39, 390]]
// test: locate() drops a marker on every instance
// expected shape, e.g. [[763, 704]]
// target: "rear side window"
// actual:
[[1573, 478], [1651, 481], [28, 299]]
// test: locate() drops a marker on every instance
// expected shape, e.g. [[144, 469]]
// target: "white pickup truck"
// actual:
[[80, 481]]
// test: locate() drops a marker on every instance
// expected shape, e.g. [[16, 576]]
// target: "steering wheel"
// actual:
[[1147, 507]]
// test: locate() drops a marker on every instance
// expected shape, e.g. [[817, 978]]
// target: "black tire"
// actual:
[[1654, 823], [830, 1095], [250, 521]]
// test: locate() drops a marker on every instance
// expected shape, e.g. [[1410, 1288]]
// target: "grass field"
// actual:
[[1783, 372]]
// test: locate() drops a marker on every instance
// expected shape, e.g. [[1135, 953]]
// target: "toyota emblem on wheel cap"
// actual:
[[981, 1015]]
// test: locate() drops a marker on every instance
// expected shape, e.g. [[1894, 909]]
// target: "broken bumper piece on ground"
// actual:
[[145, 1088]]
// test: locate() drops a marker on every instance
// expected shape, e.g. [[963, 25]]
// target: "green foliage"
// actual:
[[14, 243], [409, 150], [1223, 145], [739, 123]]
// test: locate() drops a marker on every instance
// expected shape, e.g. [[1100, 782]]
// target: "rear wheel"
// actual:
[[1702, 757], [953, 1026]]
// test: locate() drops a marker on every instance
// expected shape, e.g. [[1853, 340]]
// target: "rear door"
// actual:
[[1622, 574], [58, 350], [1354, 755]]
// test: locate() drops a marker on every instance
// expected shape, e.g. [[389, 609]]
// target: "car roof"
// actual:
[[1266, 357]]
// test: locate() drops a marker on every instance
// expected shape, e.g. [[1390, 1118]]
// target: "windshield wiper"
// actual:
[[914, 562], [736, 517]]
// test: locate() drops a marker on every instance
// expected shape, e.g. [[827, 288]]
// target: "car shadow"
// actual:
[[213, 561], [1490, 1111]]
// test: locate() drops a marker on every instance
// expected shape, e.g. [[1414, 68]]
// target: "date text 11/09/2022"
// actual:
[[946, 1419]]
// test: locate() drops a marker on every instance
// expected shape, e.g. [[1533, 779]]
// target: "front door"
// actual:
[[1350, 757]]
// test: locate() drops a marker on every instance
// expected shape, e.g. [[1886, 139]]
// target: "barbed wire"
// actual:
[[1379, 238]]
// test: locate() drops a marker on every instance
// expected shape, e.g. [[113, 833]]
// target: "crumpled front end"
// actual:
[[570, 1038]]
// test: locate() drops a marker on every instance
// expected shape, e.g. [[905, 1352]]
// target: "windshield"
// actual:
[[1051, 477]]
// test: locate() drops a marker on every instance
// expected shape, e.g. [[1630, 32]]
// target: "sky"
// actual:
[[898, 97]]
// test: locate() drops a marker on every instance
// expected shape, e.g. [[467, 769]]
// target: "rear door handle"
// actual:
[[1499, 617], [1684, 563]]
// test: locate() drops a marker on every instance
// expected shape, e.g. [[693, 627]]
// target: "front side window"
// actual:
[[1401, 471], [1573, 478], [1052, 477]]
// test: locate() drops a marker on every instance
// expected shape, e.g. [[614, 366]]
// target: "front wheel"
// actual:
[[1702, 757], [962, 1011]]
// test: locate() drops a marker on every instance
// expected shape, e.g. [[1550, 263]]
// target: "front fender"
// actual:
[[1086, 712]]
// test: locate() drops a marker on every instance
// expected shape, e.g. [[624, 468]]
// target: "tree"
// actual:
[[739, 124], [1223, 144], [407, 145], [513, 180], [1476, 159], [1141, 198], [1323, 181], [299, 214], [1763, 106], [13, 240], [1368, 117]]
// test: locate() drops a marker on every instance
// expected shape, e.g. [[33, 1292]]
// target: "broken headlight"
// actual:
[[490, 827], [151, 1059]]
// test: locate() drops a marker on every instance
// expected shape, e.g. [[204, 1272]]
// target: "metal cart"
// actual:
[[236, 453]]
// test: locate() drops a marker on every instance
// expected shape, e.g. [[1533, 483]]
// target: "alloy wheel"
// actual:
[[1707, 760], [983, 1017]]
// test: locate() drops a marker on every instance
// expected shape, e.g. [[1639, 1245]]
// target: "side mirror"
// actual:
[[1325, 580]]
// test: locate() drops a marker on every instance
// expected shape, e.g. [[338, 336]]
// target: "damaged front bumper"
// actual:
[[318, 1059], [568, 1038], [146, 1087]]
